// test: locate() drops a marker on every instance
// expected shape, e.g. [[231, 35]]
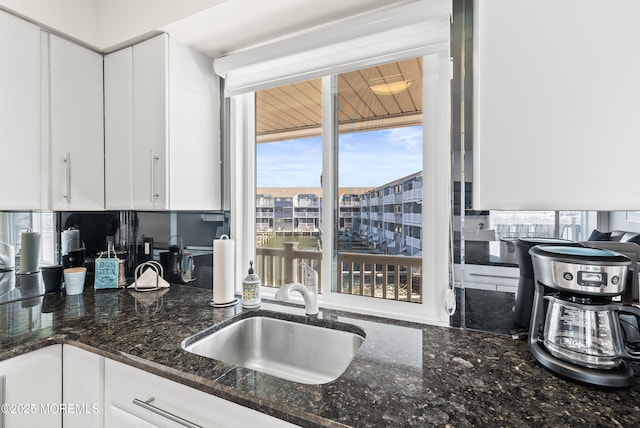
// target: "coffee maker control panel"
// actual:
[[589, 279], [595, 279]]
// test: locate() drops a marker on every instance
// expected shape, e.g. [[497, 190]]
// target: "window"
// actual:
[[375, 245], [572, 225], [379, 149], [12, 224], [413, 33]]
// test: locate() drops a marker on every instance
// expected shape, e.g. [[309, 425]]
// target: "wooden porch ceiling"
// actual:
[[295, 111]]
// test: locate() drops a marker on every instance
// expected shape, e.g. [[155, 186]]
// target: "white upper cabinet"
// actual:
[[162, 128], [118, 129], [76, 126], [20, 114], [556, 105]]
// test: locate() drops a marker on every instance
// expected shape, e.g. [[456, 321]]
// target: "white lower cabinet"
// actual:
[[82, 388], [135, 398], [30, 389], [65, 386]]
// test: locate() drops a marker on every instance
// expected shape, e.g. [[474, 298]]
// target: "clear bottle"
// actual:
[[251, 289]]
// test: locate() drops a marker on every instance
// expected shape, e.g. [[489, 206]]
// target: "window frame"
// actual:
[[436, 196], [436, 202]]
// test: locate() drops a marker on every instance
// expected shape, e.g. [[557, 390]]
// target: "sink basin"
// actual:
[[301, 349]]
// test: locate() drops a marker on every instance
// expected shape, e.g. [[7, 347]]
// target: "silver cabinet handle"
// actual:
[[154, 159], [67, 161], [484, 275], [147, 405], [3, 397]]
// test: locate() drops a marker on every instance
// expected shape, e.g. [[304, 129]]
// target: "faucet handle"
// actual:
[[310, 275]]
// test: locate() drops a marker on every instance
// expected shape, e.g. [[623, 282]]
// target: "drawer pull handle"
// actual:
[[147, 405], [484, 275]]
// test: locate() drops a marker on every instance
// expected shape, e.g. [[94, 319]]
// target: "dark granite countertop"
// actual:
[[404, 374]]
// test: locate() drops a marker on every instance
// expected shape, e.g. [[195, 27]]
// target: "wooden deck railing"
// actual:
[[373, 275], [382, 276]]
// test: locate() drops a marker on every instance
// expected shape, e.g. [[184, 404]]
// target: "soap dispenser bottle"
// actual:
[[251, 289]]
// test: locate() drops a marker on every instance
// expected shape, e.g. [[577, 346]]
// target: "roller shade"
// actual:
[[414, 29]]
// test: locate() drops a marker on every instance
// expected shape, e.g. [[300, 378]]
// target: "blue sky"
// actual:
[[366, 159]]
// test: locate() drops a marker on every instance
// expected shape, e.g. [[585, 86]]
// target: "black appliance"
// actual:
[[526, 285]]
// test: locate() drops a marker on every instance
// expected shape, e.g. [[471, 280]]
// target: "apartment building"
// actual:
[[388, 218]]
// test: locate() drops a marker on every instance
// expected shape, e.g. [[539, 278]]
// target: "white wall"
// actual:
[[105, 24], [618, 221], [122, 20], [75, 18], [214, 27]]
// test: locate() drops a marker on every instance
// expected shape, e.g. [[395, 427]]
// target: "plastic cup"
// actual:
[[52, 277], [74, 280]]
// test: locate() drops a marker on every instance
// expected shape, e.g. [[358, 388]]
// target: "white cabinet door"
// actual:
[[76, 126], [83, 382], [555, 105], [162, 128], [170, 404], [19, 114], [194, 127], [118, 131], [32, 389], [150, 123]]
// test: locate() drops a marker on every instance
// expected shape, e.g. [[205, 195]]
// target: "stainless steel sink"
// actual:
[[300, 349]]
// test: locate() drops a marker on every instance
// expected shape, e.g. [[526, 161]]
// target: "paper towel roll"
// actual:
[[223, 270], [29, 252]]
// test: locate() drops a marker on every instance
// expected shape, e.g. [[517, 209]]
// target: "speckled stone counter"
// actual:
[[403, 375]]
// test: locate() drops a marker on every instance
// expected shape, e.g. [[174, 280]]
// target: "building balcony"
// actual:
[[412, 219], [389, 199], [306, 215], [306, 204], [413, 195], [413, 242]]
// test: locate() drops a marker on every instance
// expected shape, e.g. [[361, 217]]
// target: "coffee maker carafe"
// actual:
[[577, 328]]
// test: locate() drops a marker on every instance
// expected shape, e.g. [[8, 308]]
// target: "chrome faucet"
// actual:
[[309, 290]]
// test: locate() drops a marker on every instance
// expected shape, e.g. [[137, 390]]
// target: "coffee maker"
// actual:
[[578, 330]]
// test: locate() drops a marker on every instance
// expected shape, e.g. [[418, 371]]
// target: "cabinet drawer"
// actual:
[[121, 418], [496, 275], [170, 404]]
